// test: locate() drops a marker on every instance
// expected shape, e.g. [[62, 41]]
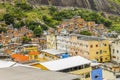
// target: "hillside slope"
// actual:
[[18, 13], [110, 6]]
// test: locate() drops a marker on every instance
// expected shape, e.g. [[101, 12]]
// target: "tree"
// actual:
[[32, 25], [19, 24], [25, 40], [85, 33], [9, 19], [52, 10], [2, 29], [116, 27], [44, 26], [24, 6], [38, 31]]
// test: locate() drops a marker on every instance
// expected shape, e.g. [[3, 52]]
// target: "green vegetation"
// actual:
[[25, 40], [38, 31], [39, 18], [2, 29], [85, 33]]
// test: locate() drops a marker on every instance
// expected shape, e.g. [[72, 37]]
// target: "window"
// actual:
[[76, 79], [106, 58], [86, 45], [46, 55], [105, 51], [76, 53], [36, 57], [75, 68], [30, 57], [66, 70], [96, 45], [117, 76], [87, 65], [100, 51], [113, 56], [96, 76], [117, 51], [91, 46], [97, 52], [87, 75], [113, 50], [105, 44], [97, 59], [80, 67]]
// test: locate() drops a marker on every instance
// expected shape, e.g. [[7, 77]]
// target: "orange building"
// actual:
[[20, 58]]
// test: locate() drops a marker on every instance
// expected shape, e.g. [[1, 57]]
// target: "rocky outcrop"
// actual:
[[98, 5]]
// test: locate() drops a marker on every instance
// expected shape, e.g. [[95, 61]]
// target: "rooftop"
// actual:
[[88, 38], [20, 57], [96, 64], [4, 64], [25, 45], [34, 53], [29, 73], [65, 63], [54, 51]]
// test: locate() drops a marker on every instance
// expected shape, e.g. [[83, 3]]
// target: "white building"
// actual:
[[63, 43], [115, 51], [111, 71]]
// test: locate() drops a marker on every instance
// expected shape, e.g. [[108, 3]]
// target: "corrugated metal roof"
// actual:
[[61, 64]]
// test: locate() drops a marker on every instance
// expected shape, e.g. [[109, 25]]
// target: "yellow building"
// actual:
[[93, 48], [51, 41], [34, 55], [99, 50], [30, 47], [53, 54], [74, 65]]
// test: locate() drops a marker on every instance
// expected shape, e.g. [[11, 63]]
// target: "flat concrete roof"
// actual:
[[4, 64], [29, 73], [54, 51], [88, 38]]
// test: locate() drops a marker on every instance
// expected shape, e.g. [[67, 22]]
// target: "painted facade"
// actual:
[[96, 72], [115, 51], [51, 41], [111, 71], [30, 47], [92, 48], [34, 55], [63, 43]]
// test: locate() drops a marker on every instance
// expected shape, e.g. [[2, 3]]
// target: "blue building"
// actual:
[[96, 73], [65, 55]]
